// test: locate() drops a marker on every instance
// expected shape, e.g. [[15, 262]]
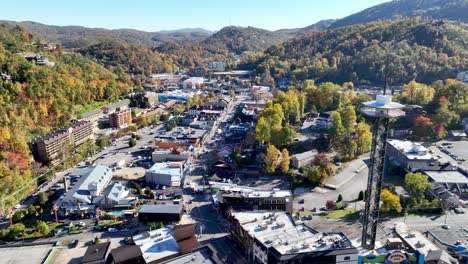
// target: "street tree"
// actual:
[[42, 198], [417, 93], [132, 142], [262, 130], [416, 184], [390, 201], [271, 159], [42, 227], [337, 129], [285, 161], [423, 127], [363, 138]]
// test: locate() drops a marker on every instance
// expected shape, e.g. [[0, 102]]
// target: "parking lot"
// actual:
[[455, 152]]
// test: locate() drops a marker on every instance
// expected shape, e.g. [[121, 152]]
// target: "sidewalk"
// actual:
[[352, 169]]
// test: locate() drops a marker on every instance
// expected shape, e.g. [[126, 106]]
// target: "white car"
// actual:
[[17, 206], [112, 230]]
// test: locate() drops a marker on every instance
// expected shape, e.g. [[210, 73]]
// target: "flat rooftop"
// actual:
[[252, 192], [161, 208], [24, 255], [201, 256], [447, 176], [278, 230], [157, 244], [169, 168], [416, 240], [412, 150]]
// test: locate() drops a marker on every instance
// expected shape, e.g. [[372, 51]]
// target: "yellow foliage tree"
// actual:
[[271, 159], [285, 161], [390, 201]]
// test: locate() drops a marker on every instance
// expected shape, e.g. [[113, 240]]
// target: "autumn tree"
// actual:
[[439, 131], [262, 130], [285, 161], [271, 159], [444, 115], [363, 138], [337, 129], [348, 118], [417, 93], [423, 127], [390, 201]]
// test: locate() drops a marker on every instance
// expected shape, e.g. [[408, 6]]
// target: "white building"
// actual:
[[273, 237], [118, 196], [409, 155], [88, 187], [193, 82], [165, 173]]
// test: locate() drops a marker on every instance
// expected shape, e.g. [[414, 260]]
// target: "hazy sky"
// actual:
[[174, 14]]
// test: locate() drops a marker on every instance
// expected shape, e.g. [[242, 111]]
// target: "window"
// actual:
[[347, 258]]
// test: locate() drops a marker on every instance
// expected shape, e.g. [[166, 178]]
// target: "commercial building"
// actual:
[[82, 195], [303, 159], [165, 173], [193, 82], [216, 66], [170, 154], [117, 196], [155, 213], [273, 237], [411, 156], [244, 198], [127, 254], [96, 254], [165, 244], [51, 147], [455, 182], [92, 116], [120, 119], [116, 106], [202, 255]]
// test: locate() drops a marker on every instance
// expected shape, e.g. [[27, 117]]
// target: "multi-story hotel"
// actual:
[[49, 148]]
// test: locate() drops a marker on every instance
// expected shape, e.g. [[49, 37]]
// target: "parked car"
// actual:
[[301, 201], [459, 210], [74, 243], [112, 230]]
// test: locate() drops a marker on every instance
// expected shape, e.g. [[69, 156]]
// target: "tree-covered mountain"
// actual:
[[240, 39], [394, 51], [130, 58], [454, 10], [80, 37], [36, 99]]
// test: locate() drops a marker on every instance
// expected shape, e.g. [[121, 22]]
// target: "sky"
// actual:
[[158, 15]]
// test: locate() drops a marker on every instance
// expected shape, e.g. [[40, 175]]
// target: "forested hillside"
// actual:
[[394, 51], [39, 99], [80, 37], [454, 10], [129, 58], [240, 39]]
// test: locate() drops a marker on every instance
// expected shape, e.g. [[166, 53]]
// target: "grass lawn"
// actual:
[[342, 213]]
